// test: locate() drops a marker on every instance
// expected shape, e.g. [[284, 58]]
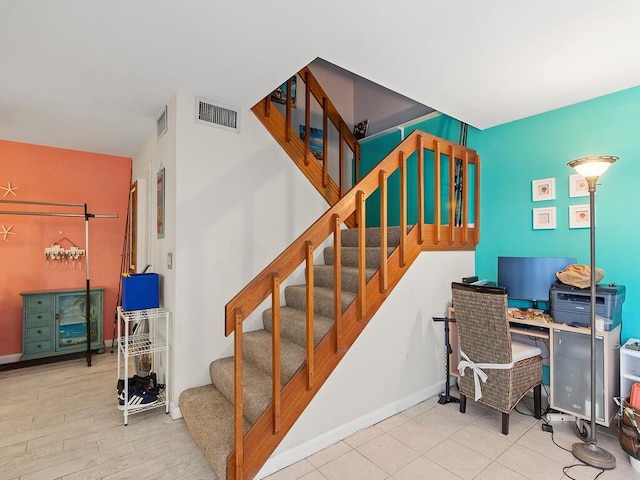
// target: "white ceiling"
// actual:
[[94, 75]]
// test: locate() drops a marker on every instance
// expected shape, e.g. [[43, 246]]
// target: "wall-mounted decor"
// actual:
[[579, 216], [315, 140], [578, 186], [360, 129], [544, 189], [160, 201], [279, 95], [6, 231], [544, 218], [9, 190]]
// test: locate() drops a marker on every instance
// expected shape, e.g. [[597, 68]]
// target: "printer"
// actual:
[[570, 305]]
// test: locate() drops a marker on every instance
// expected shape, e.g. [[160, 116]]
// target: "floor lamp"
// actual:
[[588, 451]]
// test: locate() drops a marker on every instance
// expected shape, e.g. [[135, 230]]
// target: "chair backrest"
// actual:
[[483, 326]]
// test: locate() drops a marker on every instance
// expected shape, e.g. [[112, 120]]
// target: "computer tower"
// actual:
[[571, 380]]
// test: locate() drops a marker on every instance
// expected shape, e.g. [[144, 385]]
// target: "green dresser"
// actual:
[[54, 322]]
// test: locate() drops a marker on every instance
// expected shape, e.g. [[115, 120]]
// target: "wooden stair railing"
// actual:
[[280, 127], [252, 450]]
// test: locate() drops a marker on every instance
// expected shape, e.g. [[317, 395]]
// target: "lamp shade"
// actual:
[[592, 167]]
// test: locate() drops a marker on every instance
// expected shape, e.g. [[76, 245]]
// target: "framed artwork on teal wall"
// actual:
[[578, 186], [579, 216], [544, 189], [544, 218]]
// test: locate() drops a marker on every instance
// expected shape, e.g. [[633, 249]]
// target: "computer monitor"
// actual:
[[530, 278]]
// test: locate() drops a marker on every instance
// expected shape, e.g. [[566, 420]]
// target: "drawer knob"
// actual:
[[39, 302], [39, 346], [39, 331], [39, 317]]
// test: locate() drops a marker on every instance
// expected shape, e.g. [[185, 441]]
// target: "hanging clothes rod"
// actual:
[[59, 214], [87, 216]]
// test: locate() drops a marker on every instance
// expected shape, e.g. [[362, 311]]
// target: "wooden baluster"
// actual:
[[437, 209], [307, 118], [403, 208], [384, 270], [341, 157], [287, 134], [452, 194], [325, 144], [238, 400], [310, 342], [337, 280], [362, 254], [465, 195], [357, 165], [420, 189], [275, 350], [267, 106], [476, 222]]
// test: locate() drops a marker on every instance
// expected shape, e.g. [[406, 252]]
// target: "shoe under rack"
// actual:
[[143, 333]]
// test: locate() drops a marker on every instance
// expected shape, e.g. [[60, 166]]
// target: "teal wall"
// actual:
[[514, 154], [377, 148]]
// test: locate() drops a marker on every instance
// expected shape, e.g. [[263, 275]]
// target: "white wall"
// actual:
[[238, 201], [396, 362]]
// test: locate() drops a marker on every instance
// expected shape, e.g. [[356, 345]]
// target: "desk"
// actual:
[[569, 359]]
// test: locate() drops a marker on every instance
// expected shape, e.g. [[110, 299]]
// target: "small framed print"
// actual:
[[544, 218], [578, 186], [544, 189], [579, 216]]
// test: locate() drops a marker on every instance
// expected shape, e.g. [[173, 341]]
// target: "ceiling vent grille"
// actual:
[[216, 115], [161, 124]]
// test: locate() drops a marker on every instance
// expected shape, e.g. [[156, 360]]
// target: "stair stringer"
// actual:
[[261, 441]]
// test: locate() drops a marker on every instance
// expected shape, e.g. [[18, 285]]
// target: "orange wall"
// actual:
[[57, 175]]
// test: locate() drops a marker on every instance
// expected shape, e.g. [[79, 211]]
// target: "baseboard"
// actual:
[[289, 457], [14, 357], [174, 411]]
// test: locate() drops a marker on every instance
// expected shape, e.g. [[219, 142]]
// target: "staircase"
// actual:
[[208, 410], [258, 394]]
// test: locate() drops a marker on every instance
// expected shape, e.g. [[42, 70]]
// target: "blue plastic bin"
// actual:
[[140, 291]]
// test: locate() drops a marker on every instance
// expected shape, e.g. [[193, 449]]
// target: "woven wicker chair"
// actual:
[[483, 326]]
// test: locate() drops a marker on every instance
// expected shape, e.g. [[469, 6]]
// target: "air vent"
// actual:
[[161, 124], [216, 115]]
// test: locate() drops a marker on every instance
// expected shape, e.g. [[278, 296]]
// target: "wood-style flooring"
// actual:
[[60, 421]]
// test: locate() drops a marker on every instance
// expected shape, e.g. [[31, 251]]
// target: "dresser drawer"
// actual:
[[44, 346], [36, 318], [42, 332], [40, 302]]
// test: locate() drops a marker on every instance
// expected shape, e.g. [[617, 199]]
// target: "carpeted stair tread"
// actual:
[[209, 417], [256, 386], [323, 277], [293, 325], [296, 296], [349, 256], [257, 349], [349, 236]]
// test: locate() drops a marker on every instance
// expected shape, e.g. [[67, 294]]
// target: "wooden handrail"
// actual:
[[301, 251]]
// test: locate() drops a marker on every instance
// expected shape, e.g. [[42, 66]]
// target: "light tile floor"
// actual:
[[60, 422], [436, 442]]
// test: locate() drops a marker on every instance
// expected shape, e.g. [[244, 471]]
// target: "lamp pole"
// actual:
[[590, 453]]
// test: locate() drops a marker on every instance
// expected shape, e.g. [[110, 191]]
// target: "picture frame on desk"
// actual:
[[544, 218]]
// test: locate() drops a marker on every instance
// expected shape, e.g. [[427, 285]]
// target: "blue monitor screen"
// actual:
[[529, 278]]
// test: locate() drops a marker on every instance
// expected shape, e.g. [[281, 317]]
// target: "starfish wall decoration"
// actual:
[[6, 231], [9, 190]]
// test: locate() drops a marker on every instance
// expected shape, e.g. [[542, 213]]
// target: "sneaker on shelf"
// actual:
[[138, 399]]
